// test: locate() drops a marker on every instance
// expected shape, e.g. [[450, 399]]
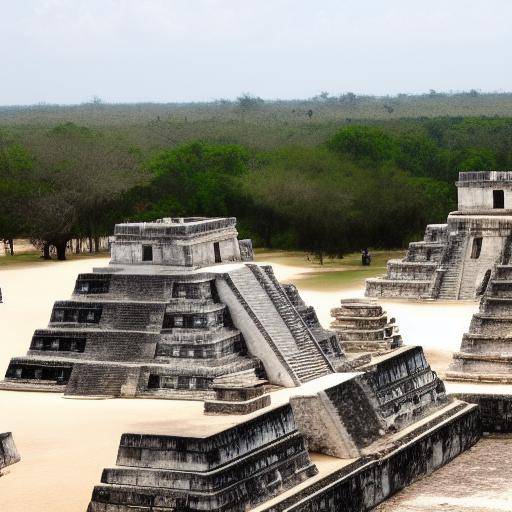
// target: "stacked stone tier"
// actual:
[[362, 325], [404, 384], [134, 335], [217, 343], [229, 471], [415, 275], [486, 350]]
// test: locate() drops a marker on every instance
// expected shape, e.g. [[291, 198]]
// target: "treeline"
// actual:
[[323, 107], [364, 185]]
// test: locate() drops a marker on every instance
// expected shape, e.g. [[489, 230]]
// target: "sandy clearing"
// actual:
[[65, 444]]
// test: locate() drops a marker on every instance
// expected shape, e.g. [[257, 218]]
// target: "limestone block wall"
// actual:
[[495, 411], [478, 196], [340, 419], [362, 485], [404, 385], [474, 270]]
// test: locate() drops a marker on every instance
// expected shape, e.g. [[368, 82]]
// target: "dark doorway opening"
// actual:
[[216, 250], [477, 248], [147, 253], [498, 199]]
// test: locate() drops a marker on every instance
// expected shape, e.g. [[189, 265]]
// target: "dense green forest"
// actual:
[[327, 175]]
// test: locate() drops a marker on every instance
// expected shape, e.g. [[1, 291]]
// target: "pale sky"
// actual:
[[67, 51]]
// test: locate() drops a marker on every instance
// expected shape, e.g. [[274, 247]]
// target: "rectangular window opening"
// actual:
[[216, 250], [498, 199], [147, 253], [477, 248]]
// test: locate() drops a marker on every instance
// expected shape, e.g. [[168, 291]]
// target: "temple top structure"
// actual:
[[480, 192], [178, 241]]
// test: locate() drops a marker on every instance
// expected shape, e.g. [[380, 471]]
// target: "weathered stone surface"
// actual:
[[485, 353], [229, 471], [391, 393], [327, 339], [363, 326], [454, 260], [155, 324], [362, 485], [8, 453], [495, 410], [238, 393]]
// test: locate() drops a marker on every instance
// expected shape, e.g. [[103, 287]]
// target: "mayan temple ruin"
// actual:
[[176, 308], [485, 353], [381, 428], [455, 260]]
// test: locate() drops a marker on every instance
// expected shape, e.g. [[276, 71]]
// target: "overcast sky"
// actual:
[[67, 51]]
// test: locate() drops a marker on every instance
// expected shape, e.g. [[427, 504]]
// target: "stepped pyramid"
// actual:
[[486, 350], [454, 260], [363, 326], [176, 308]]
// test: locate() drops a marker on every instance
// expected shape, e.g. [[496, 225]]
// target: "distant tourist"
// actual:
[[366, 257]]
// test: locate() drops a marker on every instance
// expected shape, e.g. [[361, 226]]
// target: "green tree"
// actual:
[[364, 143]]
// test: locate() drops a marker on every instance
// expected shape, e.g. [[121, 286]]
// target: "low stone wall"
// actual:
[[495, 411], [369, 481]]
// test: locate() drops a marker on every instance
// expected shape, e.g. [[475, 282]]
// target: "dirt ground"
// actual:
[[476, 481]]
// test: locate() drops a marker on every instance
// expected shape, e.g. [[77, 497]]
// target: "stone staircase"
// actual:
[[451, 268], [269, 303]]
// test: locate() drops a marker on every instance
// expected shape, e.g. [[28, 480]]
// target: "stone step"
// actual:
[[279, 318]]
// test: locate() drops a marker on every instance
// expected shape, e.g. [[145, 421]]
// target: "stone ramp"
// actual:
[[265, 299]]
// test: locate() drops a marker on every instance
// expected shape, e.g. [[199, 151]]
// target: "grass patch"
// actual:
[[335, 273], [34, 257]]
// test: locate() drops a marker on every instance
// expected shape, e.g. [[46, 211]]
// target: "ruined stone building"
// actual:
[[181, 312], [383, 426], [177, 307], [454, 260], [485, 353]]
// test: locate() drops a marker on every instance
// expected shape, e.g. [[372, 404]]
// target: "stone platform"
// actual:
[[363, 326], [378, 422]]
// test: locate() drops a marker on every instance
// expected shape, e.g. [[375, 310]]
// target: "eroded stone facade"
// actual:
[[175, 309], [485, 353], [8, 453]]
